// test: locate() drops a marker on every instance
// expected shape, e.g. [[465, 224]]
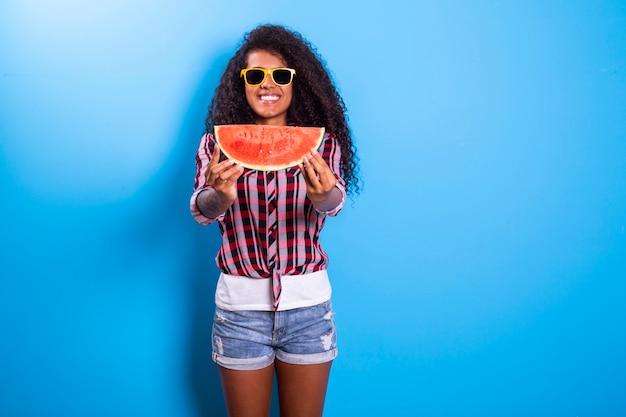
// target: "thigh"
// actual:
[[307, 335], [242, 340], [302, 388], [247, 393]]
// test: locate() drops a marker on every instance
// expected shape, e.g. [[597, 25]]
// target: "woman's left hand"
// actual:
[[320, 181]]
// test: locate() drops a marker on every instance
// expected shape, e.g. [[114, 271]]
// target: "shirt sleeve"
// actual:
[[331, 152], [203, 158]]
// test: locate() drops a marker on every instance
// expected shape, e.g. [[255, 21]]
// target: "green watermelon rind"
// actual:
[[254, 161]]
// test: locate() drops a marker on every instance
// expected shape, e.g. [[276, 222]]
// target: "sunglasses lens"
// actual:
[[254, 76], [281, 76]]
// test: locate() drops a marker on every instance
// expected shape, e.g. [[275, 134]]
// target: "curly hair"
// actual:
[[315, 101]]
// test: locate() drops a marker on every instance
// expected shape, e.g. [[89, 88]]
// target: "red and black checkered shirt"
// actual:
[[272, 228]]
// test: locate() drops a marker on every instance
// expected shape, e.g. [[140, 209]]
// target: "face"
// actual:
[[268, 101]]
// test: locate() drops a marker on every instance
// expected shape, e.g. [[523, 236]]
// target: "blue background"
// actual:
[[479, 273]]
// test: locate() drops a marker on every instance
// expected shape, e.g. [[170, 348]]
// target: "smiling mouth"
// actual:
[[269, 98]]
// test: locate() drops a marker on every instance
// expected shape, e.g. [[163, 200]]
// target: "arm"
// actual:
[[216, 184], [210, 204]]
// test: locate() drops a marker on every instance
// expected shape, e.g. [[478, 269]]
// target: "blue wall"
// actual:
[[479, 273]]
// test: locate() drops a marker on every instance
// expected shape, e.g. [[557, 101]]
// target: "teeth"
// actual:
[[269, 97]]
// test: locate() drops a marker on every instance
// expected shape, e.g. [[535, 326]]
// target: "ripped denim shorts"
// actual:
[[250, 340]]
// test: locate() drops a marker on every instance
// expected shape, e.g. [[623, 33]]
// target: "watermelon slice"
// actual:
[[266, 147]]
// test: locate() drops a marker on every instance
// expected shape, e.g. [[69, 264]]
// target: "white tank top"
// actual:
[[235, 292]]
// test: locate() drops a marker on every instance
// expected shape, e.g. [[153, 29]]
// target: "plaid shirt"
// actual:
[[272, 228]]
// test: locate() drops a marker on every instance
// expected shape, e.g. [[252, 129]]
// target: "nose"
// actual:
[[268, 81]]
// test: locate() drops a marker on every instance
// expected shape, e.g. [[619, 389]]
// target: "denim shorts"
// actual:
[[250, 340]]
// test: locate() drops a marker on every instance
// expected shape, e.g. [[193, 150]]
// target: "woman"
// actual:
[[273, 310]]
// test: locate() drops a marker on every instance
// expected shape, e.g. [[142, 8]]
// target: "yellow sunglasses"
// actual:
[[257, 76]]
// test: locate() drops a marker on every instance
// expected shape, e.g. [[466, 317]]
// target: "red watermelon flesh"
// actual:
[[267, 147]]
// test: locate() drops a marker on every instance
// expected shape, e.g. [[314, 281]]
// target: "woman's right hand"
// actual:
[[223, 176]]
